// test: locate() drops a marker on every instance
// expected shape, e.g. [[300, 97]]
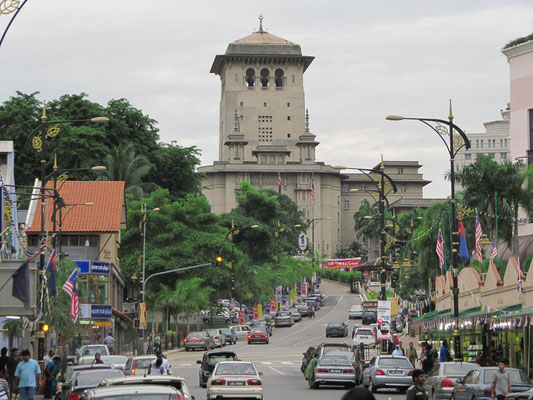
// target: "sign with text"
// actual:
[[142, 314], [293, 294], [101, 311], [338, 263], [99, 324], [384, 319], [93, 267], [242, 314], [304, 289], [255, 313]]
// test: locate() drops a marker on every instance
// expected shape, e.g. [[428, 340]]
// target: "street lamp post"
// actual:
[[380, 185], [447, 128], [38, 139], [312, 223]]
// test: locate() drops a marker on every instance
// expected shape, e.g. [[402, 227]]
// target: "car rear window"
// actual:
[[394, 362], [517, 376], [190, 335], [258, 330], [94, 378], [334, 360], [370, 313], [335, 349], [143, 362], [335, 325], [364, 332], [91, 351], [235, 369], [141, 397], [458, 369]]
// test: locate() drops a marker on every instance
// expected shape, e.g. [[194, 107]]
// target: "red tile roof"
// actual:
[[107, 215]]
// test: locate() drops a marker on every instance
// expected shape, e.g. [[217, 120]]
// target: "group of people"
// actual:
[[19, 375]]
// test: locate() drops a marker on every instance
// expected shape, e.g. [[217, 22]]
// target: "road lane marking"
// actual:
[[274, 369]]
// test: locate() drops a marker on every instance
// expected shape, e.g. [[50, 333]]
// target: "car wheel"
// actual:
[[402, 390], [187, 349], [266, 342], [315, 385], [373, 387]]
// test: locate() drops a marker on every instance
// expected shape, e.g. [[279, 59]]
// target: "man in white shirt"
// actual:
[[397, 352], [109, 341], [160, 366]]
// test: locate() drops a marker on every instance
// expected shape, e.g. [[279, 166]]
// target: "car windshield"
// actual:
[[143, 362], [147, 396], [235, 369], [226, 331], [335, 349], [334, 360], [91, 351], [258, 330], [282, 314], [394, 362], [335, 325], [458, 369], [195, 334], [221, 357], [93, 378], [364, 332], [115, 359], [517, 376]]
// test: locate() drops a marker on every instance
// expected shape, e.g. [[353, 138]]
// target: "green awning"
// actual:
[[514, 307], [468, 311], [431, 315]]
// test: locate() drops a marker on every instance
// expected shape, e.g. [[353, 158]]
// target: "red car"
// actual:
[[258, 335]]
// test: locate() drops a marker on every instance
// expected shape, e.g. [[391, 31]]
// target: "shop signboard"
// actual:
[[99, 324], [101, 311], [341, 263], [87, 267]]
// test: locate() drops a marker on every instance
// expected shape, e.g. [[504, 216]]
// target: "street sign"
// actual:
[[302, 241], [99, 324], [128, 308]]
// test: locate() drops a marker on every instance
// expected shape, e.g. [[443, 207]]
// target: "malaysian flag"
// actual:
[[279, 182], [71, 287], [313, 193], [440, 250], [494, 252], [479, 253]]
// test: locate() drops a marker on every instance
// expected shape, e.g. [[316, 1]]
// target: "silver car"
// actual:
[[175, 382], [241, 331], [334, 369], [218, 337], [441, 380], [388, 372], [295, 314], [138, 365], [198, 340], [283, 318], [153, 392]]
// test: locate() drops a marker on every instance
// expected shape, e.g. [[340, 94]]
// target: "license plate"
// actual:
[[396, 372], [335, 370], [235, 383]]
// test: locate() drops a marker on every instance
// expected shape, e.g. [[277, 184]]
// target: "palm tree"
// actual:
[[123, 163], [13, 328]]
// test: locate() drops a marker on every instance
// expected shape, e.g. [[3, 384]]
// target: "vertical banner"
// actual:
[[293, 294], [304, 289], [142, 315], [255, 313], [242, 314], [384, 318], [394, 307], [272, 305], [259, 311]]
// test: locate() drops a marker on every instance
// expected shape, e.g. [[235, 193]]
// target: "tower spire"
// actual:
[[306, 120], [260, 24]]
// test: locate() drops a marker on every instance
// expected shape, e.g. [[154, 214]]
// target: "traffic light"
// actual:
[[218, 259], [45, 328]]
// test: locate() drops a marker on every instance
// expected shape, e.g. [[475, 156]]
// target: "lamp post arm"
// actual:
[[378, 171], [172, 270], [449, 124]]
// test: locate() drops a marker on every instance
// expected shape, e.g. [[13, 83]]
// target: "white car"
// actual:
[[235, 379], [356, 311], [365, 335], [241, 331], [218, 337]]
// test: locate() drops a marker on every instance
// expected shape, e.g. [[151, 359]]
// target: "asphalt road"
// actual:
[[280, 360]]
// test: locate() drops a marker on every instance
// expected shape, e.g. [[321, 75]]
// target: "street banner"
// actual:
[[394, 307], [283, 299], [142, 315], [298, 290], [302, 241], [304, 289], [293, 294], [242, 314], [259, 311], [384, 319], [278, 305], [279, 289], [255, 313], [338, 263], [272, 305]]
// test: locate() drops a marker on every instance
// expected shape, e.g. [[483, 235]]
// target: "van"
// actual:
[[369, 317]]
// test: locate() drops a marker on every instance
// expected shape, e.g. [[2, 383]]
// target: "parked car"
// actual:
[[283, 318], [117, 362], [520, 395], [263, 323], [235, 379], [92, 349], [356, 311], [209, 361], [175, 382], [335, 348], [334, 369], [219, 317], [241, 331], [476, 385], [138, 365], [231, 337], [82, 377], [369, 317], [296, 316], [337, 329], [218, 337], [319, 297], [388, 372], [302, 308], [365, 335], [443, 378], [258, 335], [198, 340], [314, 302], [140, 392]]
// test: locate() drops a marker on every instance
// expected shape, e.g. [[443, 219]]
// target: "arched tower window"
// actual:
[[250, 77], [265, 77], [279, 77]]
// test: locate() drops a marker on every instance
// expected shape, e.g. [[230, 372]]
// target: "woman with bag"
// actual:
[[50, 373]]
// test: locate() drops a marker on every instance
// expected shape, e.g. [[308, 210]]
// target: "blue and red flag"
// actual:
[[463, 247], [53, 270], [71, 287]]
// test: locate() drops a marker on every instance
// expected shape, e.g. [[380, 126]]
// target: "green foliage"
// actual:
[[367, 221], [518, 41], [340, 276], [354, 250], [13, 327]]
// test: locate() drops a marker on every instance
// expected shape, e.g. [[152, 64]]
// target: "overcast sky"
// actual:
[[373, 58]]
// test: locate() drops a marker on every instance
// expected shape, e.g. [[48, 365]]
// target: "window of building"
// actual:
[[265, 104], [93, 289], [493, 143], [477, 144], [288, 104], [492, 155], [265, 78], [400, 171], [403, 188], [488, 144], [481, 143], [242, 103], [293, 78], [503, 156], [345, 188], [468, 156], [288, 117], [501, 142], [278, 80], [346, 205], [362, 188], [288, 135], [250, 77], [236, 77], [505, 142]]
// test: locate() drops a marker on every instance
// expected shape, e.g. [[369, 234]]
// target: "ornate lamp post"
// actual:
[[447, 128]]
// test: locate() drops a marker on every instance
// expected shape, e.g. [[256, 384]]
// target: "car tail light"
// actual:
[[202, 340], [180, 396], [355, 365], [74, 396], [380, 372], [322, 370], [216, 338], [373, 333], [348, 371], [254, 382], [447, 383], [218, 382], [133, 366], [249, 336], [265, 336], [411, 373], [185, 340]]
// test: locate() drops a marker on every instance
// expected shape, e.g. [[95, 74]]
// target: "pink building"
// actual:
[[519, 54]]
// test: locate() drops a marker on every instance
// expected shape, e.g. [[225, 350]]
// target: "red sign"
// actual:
[[242, 314], [254, 310], [337, 263], [304, 289]]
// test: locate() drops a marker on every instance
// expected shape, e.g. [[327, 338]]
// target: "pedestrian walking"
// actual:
[[501, 383], [313, 309], [159, 366], [411, 353], [28, 375], [428, 361], [109, 341], [310, 311], [397, 352], [12, 363], [4, 389], [50, 373], [402, 348], [418, 391], [444, 352], [358, 393], [3, 363], [309, 373]]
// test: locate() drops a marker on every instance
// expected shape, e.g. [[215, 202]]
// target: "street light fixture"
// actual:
[[456, 143], [312, 223]]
